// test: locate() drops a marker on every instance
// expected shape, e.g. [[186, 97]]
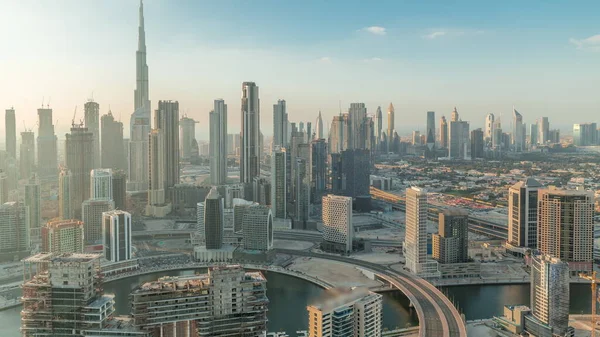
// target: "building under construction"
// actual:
[[227, 301], [63, 297]]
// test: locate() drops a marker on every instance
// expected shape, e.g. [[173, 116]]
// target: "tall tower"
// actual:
[[518, 134], [250, 156], [489, 127], [46, 145], [430, 134], [78, 156], [523, 213], [337, 222], [213, 219], [358, 113], [11, 132], [92, 123], [140, 119], [156, 182], [218, 143], [65, 205], [187, 134], [443, 132], [166, 119], [391, 126], [378, 126], [319, 131], [451, 244], [280, 124], [101, 184], [279, 182], [14, 221], [119, 193], [63, 236], [112, 153], [454, 117], [27, 154], [415, 242], [33, 202], [116, 235], [257, 224]]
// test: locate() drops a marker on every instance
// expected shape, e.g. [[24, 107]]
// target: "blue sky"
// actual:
[[480, 56]]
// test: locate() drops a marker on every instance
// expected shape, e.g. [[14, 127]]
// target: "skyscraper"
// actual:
[[544, 130], [566, 226], [119, 189], [301, 192], [454, 117], [280, 124], [14, 231], [415, 241], [523, 213], [319, 131], [477, 144], [533, 134], [27, 154], [92, 218], [489, 127], [585, 134], [11, 132], [101, 184], [350, 173], [279, 183], [337, 135], [343, 312], [116, 235], [458, 137], [257, 224], [166, 119], [65, 206], [33, 202], [338, 230], [46, 145], [357, 113], [92, 123], [187, 134], [3, 187], [319, 169], [518, 134], [213, 220], [378, 126], [451, 244], [112, 151], [391, 126], [157, 205], [430, 134], [140, 118], [63, 236], [218, 143], [79, 159], [549, 297], [249, 159]]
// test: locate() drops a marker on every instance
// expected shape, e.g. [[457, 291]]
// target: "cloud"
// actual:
[[589, 43], [375, 30], [373, 59], [439, 33], [325, 59], [434, 35]]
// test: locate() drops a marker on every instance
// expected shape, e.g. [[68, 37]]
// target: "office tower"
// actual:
[[157, 206], [454, 117], [549, 297], [338, 230], [213, 219], [261, 190], [443, 132], [218, 143], [280, 124], [10, 132], [112, 151], [200, 221], [119, 185], [140, 118], [278, 183], [101, 184], [63, 236], [378, 126], [497, 135], [301, 192], [319, 131], [116, 235], [319, 169], [187, 134], [477, 144], [585, 134], [337, 135], [554, 136], [33, 202], [489, 127], [249, 159], [533, 134], [46, 145], [27, 154], [458, 138], [544, 130], [430, 134], [92, 218], [228, 302], [14, 231], [92, 123], [391, 126], [12, 172], [3, 187], [566, 225], [416, 138], [367, 134], [346, 312], [166, 119], [518, 137], [301, 127], [523, 213], [65, 205], [309, 135], [415, 241], [79, 159], [350, 173], [257, 228], [451, 243]]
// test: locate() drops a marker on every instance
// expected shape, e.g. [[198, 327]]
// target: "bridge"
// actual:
[[437, 315]]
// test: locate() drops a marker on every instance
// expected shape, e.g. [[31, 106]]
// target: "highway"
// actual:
[[437, 315]]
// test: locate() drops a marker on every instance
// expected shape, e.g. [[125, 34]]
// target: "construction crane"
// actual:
[[74, 114], [594, 281]]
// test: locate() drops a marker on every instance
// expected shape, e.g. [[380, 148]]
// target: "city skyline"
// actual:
[[464, 64]]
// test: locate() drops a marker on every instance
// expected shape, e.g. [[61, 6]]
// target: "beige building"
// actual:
[[63, 236]]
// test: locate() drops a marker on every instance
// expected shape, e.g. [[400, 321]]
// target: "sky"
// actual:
[[543, 57]]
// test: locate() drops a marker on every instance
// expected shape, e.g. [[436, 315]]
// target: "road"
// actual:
[[437, 315]]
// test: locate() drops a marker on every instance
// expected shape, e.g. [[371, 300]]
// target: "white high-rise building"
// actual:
[[101, 184], [337, 221], [218, 143], [280, 124], [250, 135], [346, 312], [415, 241], [257, 224], [65, 207], [279, 183], [518, 134], [116, 235], [489, 127], [140, 119], [319, 131], [523, 213]]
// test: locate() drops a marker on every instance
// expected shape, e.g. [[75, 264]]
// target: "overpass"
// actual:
[[437, 315]]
